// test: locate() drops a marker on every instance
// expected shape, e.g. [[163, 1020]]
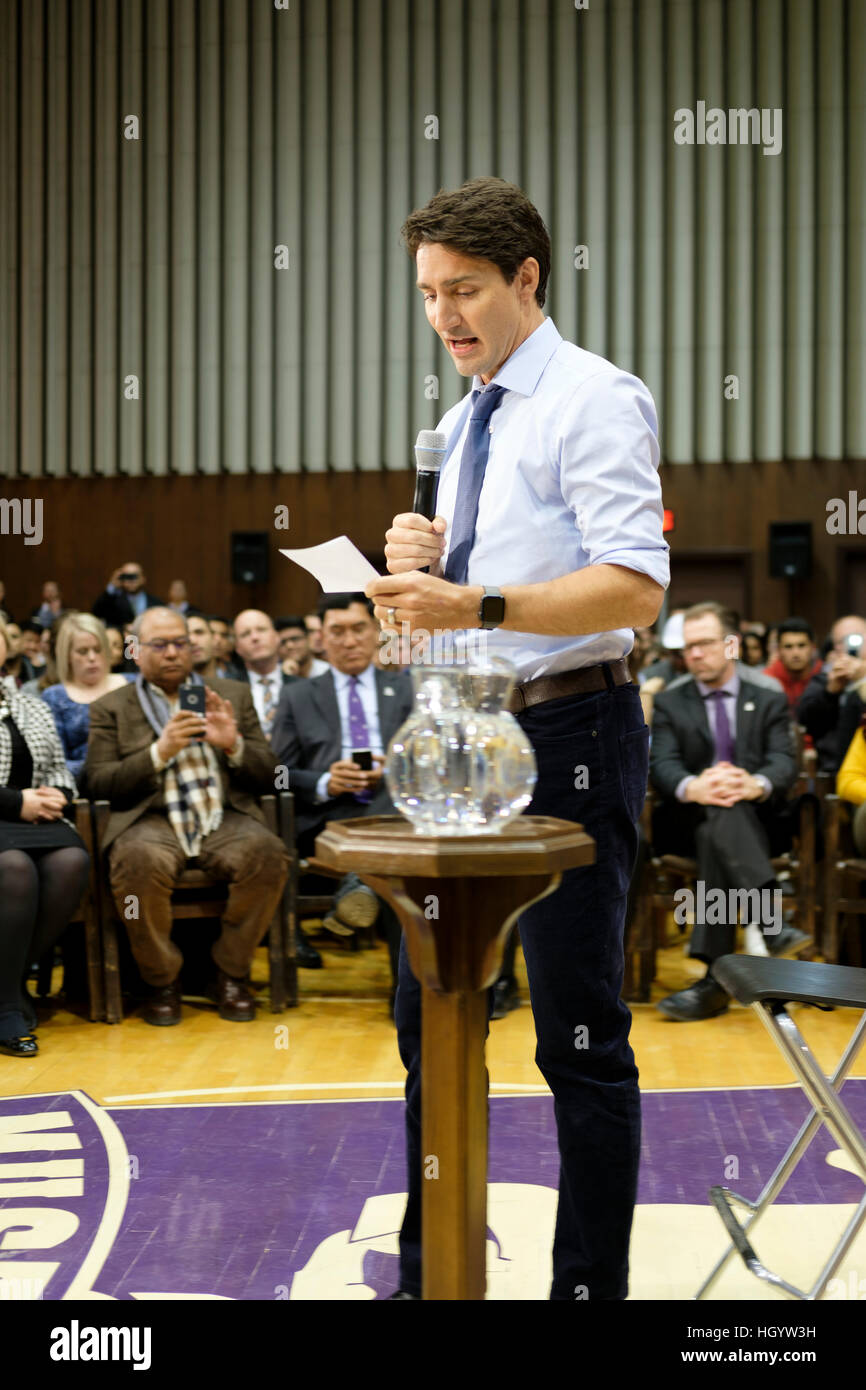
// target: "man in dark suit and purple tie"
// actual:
[[722, 759], [318, 725]]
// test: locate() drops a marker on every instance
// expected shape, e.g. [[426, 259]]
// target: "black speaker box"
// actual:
[[249, 557], [790, 549]]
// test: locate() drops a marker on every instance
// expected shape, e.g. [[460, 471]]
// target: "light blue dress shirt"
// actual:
[[370, 702], [572, 480]]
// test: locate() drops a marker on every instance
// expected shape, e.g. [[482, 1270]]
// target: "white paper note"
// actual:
[[338, 565]]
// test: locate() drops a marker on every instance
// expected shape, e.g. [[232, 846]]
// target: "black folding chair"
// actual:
[[767, 985]]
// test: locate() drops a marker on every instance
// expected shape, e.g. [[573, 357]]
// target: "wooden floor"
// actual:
[[341, 1043]]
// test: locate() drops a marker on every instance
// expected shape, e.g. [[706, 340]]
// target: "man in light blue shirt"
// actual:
[[549, 536]]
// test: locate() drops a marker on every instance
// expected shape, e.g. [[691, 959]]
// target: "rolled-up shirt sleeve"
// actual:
[[609, 461]]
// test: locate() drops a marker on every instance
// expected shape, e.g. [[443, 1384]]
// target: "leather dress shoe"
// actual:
[[787, 941], [333, 924], [704, 999], [505, 997], [307, 955], [26, 1046], [359, 907], [234, 1002], [163, 1005], [401, 1293]]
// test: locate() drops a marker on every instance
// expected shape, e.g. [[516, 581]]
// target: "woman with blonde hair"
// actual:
[[43, 861], [83, 660]]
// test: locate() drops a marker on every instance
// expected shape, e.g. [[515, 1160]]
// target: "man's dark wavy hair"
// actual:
[[486, 218]]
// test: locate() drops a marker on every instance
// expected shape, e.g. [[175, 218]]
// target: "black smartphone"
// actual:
[[364, 758], [192, 699]]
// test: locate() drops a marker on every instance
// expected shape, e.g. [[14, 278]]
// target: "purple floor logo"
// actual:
[[303, 1200], [64, 1179]]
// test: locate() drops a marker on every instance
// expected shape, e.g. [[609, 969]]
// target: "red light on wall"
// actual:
[[667, 520]]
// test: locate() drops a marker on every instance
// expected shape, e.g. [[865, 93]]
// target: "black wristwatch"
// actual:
[[492, 610]]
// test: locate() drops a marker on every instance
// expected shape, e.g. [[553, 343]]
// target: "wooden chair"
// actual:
[[819, 785], [663, 875], [198, 895], [88, 916], [844, 876]]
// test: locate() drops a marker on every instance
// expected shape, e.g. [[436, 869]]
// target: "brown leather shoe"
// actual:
[[163, 1006], [233, 998]]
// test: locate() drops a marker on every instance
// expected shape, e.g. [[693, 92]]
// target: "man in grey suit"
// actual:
[[321, 722], [722, 758]]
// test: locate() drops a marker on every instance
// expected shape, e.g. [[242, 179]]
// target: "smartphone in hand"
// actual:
[[364, 758], [192, 699]]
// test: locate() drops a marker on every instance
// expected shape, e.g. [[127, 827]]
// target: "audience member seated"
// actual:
[[257, 647], [295, 647], [796, 663], [16, 666], [125, 598], [202, 646], [83, 675], [48, 675], [43, 862], [722, 758], [178, 598], [828, 693], [31, 646], [319, 723], [224, 645], [51, 606], [851, 785], [5, 615], [754, 648], [314, 633], [183, 789], [121, 664]]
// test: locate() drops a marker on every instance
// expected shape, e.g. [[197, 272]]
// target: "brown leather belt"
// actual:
[[568, 683]]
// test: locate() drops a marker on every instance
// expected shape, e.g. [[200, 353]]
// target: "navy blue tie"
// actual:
[[473, 465]]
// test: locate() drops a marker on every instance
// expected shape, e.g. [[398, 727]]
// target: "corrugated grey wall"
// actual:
[[318, 126]]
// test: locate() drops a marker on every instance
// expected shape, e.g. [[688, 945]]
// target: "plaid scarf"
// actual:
[[193, 796]]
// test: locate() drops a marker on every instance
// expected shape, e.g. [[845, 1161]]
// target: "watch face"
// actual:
[[492, 608]]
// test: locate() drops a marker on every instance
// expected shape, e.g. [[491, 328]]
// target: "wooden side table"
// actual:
[[457, 899]]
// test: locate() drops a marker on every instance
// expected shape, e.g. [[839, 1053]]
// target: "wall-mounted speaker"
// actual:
[[249, 557], [790, 549]]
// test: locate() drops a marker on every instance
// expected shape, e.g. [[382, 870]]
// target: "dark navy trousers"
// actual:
[[592, 754]]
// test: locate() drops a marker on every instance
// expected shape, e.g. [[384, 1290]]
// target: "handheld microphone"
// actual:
[[430, 449]]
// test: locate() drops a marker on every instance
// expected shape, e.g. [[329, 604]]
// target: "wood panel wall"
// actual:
[[179, 527]]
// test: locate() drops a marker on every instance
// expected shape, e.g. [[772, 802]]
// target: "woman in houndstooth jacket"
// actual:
[[43, 862]]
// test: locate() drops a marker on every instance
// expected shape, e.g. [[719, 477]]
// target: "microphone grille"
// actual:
[[430, 449]]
